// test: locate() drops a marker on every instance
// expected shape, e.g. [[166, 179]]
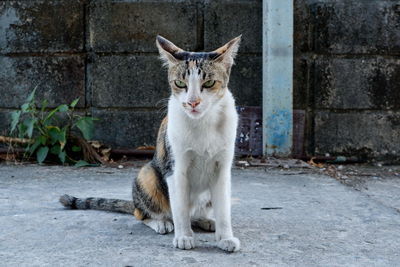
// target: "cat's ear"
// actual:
[[167, 50], [227, 53]]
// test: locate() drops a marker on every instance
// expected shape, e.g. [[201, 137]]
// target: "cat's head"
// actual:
[[198, 80]]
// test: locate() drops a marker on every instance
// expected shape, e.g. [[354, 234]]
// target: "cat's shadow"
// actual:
[[205, 242]]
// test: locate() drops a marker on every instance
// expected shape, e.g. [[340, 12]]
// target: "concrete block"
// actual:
[[301, 82], [301, 34], [122, 128], [366, 134], [128, 81], [356, 83], [41, 26], [131, 26], [224, 20], [246, 80], [356, 27], [58, 79]]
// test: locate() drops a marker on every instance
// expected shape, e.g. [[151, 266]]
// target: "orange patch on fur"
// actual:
[[218, 90], [222, 49], [228, 45], [160, 148], [138, 214], [148, 181]]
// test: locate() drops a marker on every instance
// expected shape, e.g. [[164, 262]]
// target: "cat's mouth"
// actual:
[[194, 113]]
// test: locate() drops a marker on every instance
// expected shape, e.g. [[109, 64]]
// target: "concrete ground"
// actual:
[[320, 221]]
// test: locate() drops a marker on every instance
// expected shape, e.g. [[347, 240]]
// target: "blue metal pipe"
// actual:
[[277, 77]]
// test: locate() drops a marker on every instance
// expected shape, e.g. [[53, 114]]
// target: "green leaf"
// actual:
[[32, 95], [76, 148], [73, 104], [21, 130], [81, 163], [63, 108], [30, 123], [14, 119], [25, 107], [86, 125], [50, 115], [41, 154], [62, 156], [35, 145], [44, 105], [54, 133], [43, 139], [63, 137], [57, 135], [55, 150]]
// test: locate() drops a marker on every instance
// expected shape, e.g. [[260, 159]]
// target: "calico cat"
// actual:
[[188, 182]]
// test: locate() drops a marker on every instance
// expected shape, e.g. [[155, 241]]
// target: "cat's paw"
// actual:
[[205, 224], [184, 242], [160, 226], [230, 244], [167, 228]]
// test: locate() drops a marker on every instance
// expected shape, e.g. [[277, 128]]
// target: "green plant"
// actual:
[[48, 136]]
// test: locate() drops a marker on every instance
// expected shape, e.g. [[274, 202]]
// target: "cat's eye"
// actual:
[[180, 84], [209, 84]]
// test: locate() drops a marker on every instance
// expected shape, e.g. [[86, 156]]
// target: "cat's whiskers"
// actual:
[[162, 106]]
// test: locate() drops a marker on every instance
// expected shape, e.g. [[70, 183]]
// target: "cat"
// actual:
[[188, 182]]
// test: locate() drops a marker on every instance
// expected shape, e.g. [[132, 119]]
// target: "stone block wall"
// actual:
[[346, 75], [104, 52]]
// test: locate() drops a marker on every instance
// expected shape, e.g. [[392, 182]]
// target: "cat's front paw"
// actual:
[[184, 242], [230, 244]]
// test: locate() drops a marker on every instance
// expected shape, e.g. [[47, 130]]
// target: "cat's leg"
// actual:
[[151, 200], [161, 226], [221, 201], [203, 218], [178, 186]]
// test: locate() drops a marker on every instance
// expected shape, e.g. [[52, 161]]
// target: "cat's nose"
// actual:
[[194, 103]]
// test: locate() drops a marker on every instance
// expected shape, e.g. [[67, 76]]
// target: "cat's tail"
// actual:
[[106, 204]]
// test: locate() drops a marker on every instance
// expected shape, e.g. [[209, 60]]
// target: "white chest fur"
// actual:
[[203, 143], [215, 132]]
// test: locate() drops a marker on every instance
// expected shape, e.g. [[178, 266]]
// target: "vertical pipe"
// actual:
[[277, 77]]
